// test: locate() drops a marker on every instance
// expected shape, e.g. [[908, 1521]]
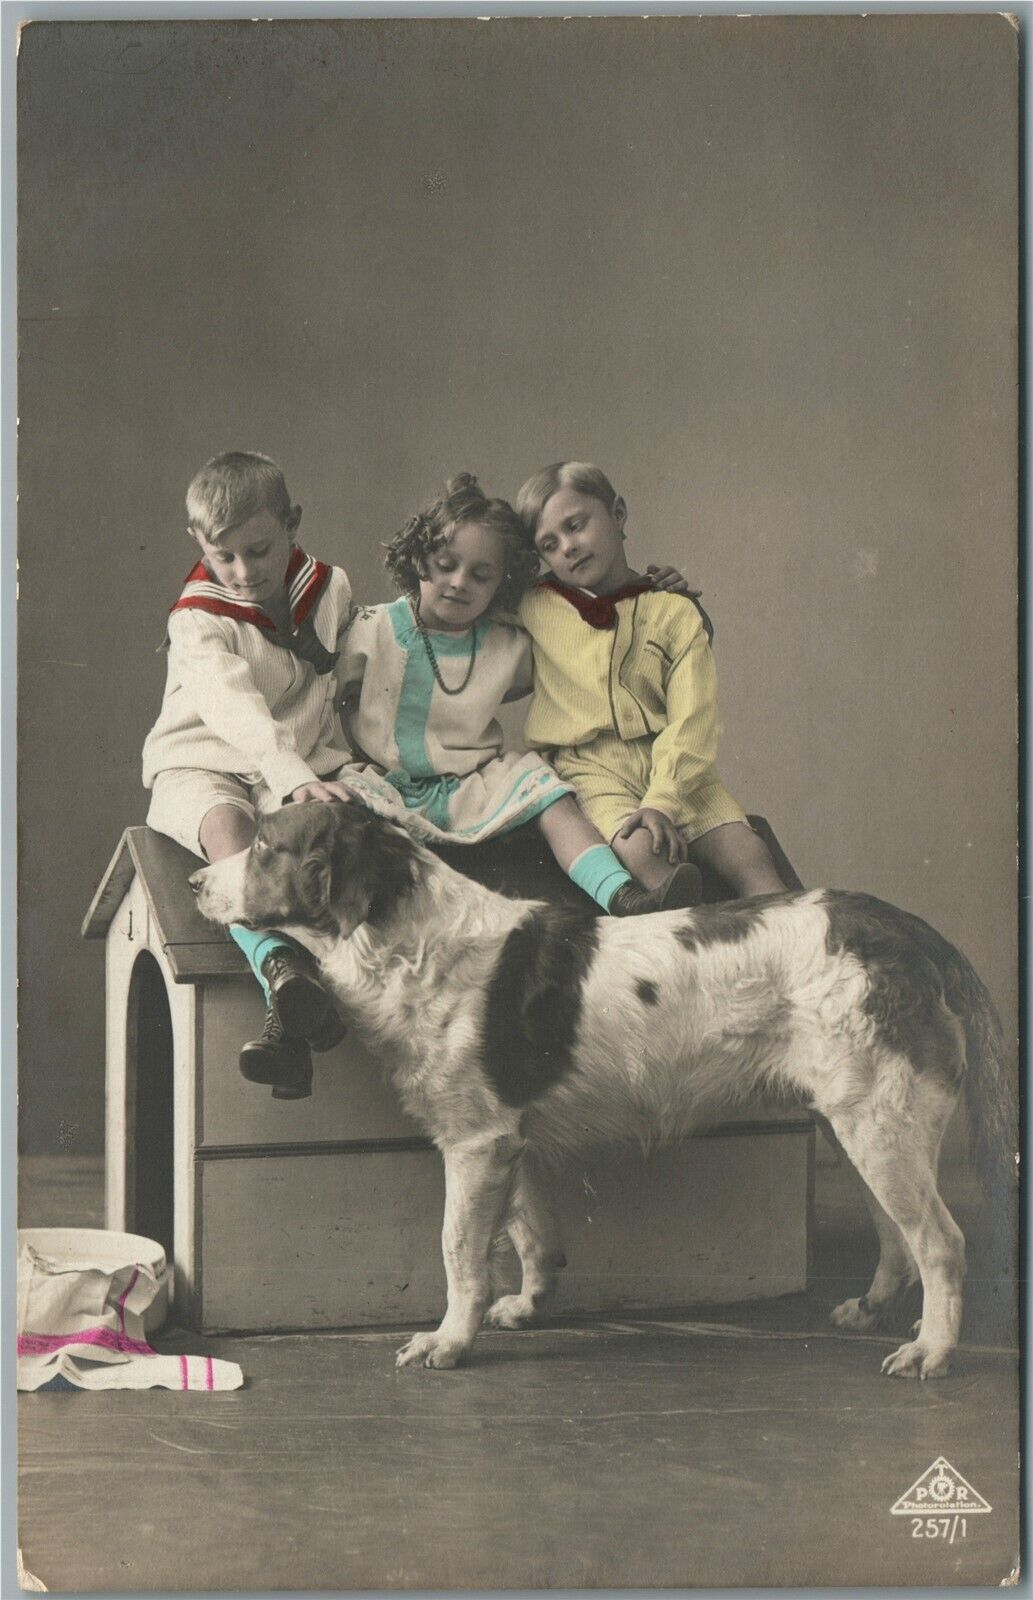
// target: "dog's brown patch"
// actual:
[[533, 1003]]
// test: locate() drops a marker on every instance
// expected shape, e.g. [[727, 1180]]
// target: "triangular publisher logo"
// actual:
[[940, 1489]]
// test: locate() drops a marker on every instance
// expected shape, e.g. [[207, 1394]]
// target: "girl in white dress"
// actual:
[[427, 676]]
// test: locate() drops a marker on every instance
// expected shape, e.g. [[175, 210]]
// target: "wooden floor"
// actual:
[[749, 1446]]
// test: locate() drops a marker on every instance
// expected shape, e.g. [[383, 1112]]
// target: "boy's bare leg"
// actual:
[[600, 871], [224, 831], [739, 856], [567, 830], [636, 853]]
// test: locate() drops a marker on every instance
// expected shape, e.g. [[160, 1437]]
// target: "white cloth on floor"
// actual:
[[83, 1319]]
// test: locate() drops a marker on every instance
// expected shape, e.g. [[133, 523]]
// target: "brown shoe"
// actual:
[[684, 888], [303, 1007], [274, 1059]]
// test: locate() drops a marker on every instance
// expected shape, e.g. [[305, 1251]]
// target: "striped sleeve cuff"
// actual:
[[287, 773]]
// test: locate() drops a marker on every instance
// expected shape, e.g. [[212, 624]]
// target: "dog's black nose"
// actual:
[[195, 880]]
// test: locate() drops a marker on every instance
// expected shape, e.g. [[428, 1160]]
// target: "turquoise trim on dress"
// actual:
[[445, 644], [534, 808], [417, 692], [527, 812], [414, 700], [430, 796], [417, 782]]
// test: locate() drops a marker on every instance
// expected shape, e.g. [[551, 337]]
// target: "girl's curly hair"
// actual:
[[463, 501]]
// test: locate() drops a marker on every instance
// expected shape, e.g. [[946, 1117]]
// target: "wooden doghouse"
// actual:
[[327, 1212]]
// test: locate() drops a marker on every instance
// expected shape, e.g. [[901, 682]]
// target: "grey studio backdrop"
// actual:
[[762, 270]]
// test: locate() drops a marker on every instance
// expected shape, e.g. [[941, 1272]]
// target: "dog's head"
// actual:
[[328, 867]]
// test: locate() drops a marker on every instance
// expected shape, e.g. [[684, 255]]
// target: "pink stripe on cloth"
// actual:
[[184, 1367], [41, 1344], [209, 1373], [122, 1301]]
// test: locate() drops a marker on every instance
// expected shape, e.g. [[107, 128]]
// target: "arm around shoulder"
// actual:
[[521, 663]]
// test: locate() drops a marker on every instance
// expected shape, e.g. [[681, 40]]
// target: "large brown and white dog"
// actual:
[[509, 1026]]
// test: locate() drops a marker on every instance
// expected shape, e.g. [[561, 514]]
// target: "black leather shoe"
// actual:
[[682, 889], [274, 1059], [302, 1005], [329, 1036]]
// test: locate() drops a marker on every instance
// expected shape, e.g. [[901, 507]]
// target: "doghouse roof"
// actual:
[[196, 949]]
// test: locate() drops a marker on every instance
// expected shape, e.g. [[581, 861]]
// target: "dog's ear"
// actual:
[[351, 899], [314, 885], [370, 867], [349, 867]]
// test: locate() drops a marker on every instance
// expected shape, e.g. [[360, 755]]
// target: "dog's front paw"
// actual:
[[917, 1360], [855, 1314], [431, 1350], [511, 1311]]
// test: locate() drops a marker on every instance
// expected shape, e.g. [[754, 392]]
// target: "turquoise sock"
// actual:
[[257, 943], [598, 871]]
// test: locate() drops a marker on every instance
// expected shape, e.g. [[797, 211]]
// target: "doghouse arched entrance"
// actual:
[[149, 1081]]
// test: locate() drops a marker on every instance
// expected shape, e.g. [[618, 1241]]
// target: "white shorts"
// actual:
[[183, 796]]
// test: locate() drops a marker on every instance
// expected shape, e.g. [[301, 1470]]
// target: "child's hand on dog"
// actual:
[[333, 790]]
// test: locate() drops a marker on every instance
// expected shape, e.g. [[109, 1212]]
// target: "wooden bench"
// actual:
[[327, 1212]]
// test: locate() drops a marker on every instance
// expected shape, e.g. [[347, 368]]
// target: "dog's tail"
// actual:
[[991, 1095]]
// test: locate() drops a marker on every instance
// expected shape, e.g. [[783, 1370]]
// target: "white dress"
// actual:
[[435, 759]]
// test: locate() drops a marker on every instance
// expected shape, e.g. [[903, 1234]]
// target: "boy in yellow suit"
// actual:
[[624, 702]]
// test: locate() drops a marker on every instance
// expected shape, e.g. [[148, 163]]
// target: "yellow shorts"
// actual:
[[611, 775]]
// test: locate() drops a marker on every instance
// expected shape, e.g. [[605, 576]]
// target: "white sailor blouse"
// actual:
[[244, 697]]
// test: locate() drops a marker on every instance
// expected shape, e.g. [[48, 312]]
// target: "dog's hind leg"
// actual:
[[896, 1269], [896, 1155], [478, 1175], [895, 1272], [532, 1228]]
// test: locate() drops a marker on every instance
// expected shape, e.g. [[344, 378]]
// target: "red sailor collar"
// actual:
[[598, 610], [304, 581]]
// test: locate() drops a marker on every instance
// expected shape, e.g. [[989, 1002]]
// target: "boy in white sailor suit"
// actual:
[[249, 721]]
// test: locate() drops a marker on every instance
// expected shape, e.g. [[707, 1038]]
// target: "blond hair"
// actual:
[[539, 490], [233, 487]]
